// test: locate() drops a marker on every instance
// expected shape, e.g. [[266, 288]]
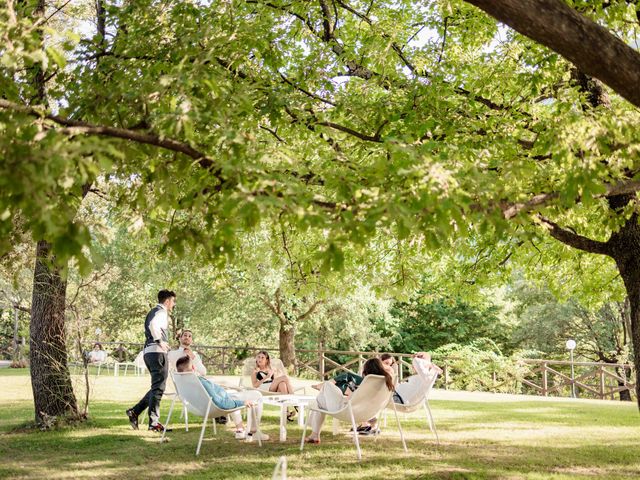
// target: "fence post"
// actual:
[[224, 350], [601, 381], [446, 376], [321, 363], [545, 380]]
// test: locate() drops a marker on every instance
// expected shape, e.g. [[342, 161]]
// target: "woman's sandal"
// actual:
[[315, 441]]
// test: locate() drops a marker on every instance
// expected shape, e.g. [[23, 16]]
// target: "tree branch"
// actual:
[[310, 311], [75, 127], [590, 47], [573, 239]]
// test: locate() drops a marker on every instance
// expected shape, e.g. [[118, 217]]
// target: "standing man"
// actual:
[[186, 340], [155, 358]]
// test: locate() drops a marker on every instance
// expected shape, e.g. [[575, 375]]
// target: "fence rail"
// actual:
[[535, 376]]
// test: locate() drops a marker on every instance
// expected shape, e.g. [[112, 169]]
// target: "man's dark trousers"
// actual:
[[158, 367]]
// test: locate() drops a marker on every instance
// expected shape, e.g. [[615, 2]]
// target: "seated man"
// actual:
[[186, 339], [226, 401]]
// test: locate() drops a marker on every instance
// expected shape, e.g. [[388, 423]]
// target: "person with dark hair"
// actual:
[[267, 378], [227, 401], [331, 395], [186, 340], [97, 355], [156, 326]]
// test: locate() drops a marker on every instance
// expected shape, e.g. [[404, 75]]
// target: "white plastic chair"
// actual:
[[366, 402], [419, 399], [195, 398]]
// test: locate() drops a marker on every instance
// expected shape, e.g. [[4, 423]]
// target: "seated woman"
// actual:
[[331, 397], [266, 378], [413, 388], [97, 355]]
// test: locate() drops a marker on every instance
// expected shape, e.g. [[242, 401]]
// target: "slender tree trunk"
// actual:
[[287, 344], [50, 380]]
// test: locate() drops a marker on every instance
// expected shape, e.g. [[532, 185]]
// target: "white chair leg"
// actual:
[[404, 444], [432, 423], [204, 426], [255, 417], [166, 424], [335, 425], [355, 433], [304, 429], [186, 417], [250, 420], [215, 428]]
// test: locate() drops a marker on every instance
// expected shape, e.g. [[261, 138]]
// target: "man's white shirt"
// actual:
[[174, 355], [158, 327]]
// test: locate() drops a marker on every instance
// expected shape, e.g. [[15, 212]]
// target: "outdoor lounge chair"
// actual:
[[366, 402], [195, 398], [416, 399]]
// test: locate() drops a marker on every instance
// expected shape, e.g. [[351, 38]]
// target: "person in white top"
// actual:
[[413, 388], [97, 355], [156, 346], [186, 340]]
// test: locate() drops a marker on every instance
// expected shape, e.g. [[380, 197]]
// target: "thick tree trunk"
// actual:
[[625, 246], [287, 344], [50, 380]]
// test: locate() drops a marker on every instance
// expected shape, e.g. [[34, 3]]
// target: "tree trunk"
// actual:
[[50, 380], [625, 246], [287, 344]]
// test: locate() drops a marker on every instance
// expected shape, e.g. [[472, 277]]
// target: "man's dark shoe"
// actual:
[[133, 418], [221, 420], [158, 427]]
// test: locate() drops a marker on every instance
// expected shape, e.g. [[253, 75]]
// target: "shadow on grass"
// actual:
[[106, 447]]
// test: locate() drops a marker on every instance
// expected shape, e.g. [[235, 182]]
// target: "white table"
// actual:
[[285, 401]]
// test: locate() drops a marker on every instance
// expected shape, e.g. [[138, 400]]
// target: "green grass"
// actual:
[[532, 439]]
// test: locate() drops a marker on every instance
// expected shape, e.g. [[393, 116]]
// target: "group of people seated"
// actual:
[[264, 377], [333, 393]]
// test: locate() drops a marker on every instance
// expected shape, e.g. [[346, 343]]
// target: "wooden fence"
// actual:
[[534, 376], [589, 379]]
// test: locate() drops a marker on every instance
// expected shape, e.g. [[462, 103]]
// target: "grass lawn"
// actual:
[[481, 436]]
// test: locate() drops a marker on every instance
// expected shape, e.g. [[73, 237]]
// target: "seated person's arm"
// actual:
[[254, 379]]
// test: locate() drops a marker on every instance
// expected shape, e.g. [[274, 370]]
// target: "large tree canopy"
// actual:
[[418, 122]]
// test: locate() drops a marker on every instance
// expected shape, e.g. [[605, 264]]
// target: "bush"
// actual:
[[475, 369]]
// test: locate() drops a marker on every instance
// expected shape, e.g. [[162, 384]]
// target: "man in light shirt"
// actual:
[[156, 347], [186, 340]]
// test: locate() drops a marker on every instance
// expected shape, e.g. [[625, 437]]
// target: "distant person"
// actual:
[[156, 347], [97, 355], [227, 401], [186, 340]]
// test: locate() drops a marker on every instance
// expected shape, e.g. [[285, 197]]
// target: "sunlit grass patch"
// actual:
[[503, 439]]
